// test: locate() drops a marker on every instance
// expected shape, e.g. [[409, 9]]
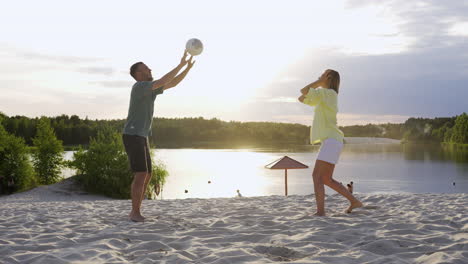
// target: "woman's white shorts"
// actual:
[[330, 150]]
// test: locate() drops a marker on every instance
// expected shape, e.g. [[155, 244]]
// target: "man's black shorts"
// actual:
[[138, 152]]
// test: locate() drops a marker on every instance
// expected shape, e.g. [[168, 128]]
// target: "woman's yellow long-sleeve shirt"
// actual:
[[324, 125]]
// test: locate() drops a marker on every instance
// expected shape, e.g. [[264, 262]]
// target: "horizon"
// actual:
[[222, 120], [395, 60]]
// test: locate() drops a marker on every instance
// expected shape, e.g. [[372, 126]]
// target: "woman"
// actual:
[[325, 130]]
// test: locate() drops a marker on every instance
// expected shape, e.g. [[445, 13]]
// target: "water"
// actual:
[[374, 168]]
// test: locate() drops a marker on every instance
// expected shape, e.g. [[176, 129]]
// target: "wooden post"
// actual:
[[286, 182]]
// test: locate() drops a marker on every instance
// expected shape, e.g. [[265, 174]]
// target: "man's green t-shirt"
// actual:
[[141, 109]]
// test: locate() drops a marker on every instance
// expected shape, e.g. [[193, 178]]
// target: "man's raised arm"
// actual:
[[181, 76], [170, 75]]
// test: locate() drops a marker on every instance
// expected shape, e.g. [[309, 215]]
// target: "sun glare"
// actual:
[[216, 177]]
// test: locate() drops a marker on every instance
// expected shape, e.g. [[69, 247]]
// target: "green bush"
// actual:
[[16, 173], [47, 154], [104, 167], [158, 179]]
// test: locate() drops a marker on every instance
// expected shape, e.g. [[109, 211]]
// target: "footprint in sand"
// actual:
[[279, 253]]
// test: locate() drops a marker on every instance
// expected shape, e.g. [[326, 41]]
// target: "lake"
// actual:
[[374, 168]]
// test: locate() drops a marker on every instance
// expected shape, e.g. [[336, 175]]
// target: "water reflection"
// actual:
[[226, 170], [455, 153], [372, 167]]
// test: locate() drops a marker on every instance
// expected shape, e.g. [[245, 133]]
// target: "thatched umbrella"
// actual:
[[286, 163]]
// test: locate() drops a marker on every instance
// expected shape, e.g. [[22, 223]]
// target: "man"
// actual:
[[138, 125]]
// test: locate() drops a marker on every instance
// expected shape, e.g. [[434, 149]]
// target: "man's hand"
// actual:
[[169, 77], [181, 76], [190, 63], [184, 60]]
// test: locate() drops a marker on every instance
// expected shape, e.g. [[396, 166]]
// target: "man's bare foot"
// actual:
[[319, 214], [136, 217], [353, 205]]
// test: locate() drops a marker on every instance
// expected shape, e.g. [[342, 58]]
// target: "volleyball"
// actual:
[[194, 46]]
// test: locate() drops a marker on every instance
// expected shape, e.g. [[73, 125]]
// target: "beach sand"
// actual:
[[60, 224]]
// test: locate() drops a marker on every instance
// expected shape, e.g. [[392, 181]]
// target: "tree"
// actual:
[[48, 155], [460, 130], [2, 117], [16, 173]]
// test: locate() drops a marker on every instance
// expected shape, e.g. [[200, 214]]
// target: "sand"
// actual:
[[61, 224]]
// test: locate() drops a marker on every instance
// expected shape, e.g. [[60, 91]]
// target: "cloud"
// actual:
[[430, 83], [427, 22], [288, 79], [283, 99], [114, 84], [386, 35], [428, 80], [427, 77], [56, 58], [97, 70], [53, 102], [459, 29], [17, 60]]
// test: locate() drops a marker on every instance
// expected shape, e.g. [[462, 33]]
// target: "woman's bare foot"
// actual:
[[353, 205], [136, 217]]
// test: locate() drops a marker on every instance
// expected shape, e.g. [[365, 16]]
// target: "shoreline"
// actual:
[[224, 145]]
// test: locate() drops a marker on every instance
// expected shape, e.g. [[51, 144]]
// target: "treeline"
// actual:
[[448, 130], [72, 130], [425, 130], [394, 131], [185, 132]]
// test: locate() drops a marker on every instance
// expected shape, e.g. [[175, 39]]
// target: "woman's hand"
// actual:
[[301, 98], [313, 85], [305, 90], [324, 78]]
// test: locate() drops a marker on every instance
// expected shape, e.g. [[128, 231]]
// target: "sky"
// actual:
[[397, 59]]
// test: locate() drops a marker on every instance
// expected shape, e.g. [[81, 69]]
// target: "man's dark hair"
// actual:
[[134, 69]]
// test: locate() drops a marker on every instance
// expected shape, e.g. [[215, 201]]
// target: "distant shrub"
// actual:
[[104, 167], [16, 173], [47, 154]]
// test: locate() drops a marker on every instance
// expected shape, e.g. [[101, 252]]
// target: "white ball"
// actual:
[[194, 46]]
